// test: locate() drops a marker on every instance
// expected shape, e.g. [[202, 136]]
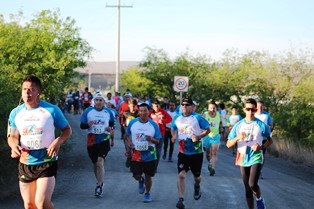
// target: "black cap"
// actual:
[[187, 101]]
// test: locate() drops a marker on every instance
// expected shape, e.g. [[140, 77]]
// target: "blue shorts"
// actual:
[[208, 140]]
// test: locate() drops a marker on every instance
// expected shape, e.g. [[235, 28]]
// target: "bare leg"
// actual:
[[28, 192], [181, 184], [44, 191]]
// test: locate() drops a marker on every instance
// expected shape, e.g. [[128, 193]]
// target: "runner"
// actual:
[[233, 119], [99, 121], [86, 98], [223, 114], [212, 140], [122, 107], [161, 117], [190, 127], [128, 116], [143, 135], [31, 137], [267, 119], [249, 134], [113, 110], [167, 139]]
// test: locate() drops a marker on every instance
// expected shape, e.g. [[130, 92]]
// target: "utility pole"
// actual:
[[118, 42]]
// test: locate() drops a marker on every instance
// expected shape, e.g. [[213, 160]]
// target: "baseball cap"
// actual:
[[187, 101], [98, 95], [128, 94]]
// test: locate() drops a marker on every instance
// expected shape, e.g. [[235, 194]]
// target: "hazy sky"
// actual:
[[207, 27]]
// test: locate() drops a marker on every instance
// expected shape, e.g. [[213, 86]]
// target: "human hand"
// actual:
[[53, 149], [16, 151], [256, 147], [195, 138]]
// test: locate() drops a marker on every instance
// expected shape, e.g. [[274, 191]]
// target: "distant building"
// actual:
[[103, 74]]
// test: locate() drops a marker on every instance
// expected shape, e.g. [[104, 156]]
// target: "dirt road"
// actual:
[[285, 184]]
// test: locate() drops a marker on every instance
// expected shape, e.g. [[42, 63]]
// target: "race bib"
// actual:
[[141, 145], [98, 129], [32, 142]]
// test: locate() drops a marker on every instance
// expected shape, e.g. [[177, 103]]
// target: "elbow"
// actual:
[[228, 144]]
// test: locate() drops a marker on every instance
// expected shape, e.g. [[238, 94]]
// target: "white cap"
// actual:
[[98, 95], [128, 94]]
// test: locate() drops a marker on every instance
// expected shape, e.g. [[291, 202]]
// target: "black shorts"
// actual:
[[193, 162], [29, 173], [138, 168], [98, 150]]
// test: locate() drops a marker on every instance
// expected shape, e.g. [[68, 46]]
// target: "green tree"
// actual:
[[46, 46]]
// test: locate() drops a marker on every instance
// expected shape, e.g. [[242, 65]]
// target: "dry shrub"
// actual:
[[292, 151]]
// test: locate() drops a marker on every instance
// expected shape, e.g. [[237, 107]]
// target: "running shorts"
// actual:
[[193, 162], [98, 150], [29, 173], [208, 140], [148, 168]]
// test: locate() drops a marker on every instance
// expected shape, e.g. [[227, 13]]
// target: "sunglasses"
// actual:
[[250, 109], [186, 105]]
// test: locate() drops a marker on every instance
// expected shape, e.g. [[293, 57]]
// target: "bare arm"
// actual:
[[54, 147], [13, 142], [174, 135], [231, 143]]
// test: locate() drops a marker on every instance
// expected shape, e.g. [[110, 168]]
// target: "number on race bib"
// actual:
[[141, 145], [34, 142], [98, 129]]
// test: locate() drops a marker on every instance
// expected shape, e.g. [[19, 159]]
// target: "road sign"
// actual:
[[181, 83]]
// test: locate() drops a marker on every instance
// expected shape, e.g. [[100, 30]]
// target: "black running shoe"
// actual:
[[180, 204], [98, 190], [212, 172], [197, 192]]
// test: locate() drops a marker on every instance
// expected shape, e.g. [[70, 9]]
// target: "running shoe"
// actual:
[[98, 190], [260, 204], [180, 204], [164, 157], [147, 198], [197, 192], [141, 186], [212, 172]]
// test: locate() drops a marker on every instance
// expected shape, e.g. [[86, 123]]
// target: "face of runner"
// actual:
[[249, 110], [212, 108], [172, 106], [30, 94], [259, 107], [186, 109], [131, 107], [143, 113], [156, 107], [99, 103], [234, 111]]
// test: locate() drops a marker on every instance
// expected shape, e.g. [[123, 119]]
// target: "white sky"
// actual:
[[207, 27]]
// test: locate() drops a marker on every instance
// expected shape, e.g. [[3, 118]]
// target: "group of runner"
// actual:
[[147, 129]]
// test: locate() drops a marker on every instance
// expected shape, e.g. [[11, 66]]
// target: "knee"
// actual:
[[182, 176], [137, 177], [254, 187], [30, 205], [100, 162]]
